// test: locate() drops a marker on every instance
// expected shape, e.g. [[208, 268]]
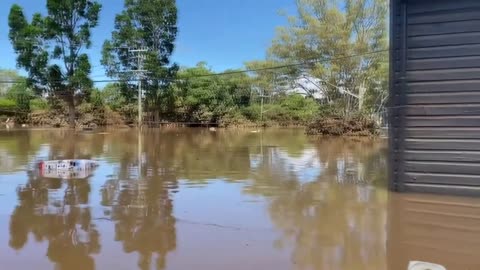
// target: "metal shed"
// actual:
[[435, 96]]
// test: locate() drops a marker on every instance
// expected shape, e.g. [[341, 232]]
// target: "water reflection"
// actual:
[[142, 213], [57, 212], [335, 220], [139, 197], [324, 199]]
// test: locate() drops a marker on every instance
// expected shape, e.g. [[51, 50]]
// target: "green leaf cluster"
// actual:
[[50, 48]]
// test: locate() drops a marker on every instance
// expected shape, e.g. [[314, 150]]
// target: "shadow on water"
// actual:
[[183, 198]]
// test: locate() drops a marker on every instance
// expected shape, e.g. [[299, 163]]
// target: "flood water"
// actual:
[[196, 199]]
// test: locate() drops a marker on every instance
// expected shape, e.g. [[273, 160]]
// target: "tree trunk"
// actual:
[[71, 113], [361, 97], [156, 117]]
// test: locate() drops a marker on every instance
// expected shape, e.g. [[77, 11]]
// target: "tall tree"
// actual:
[[333, 31], [150, 25], [50, 48]]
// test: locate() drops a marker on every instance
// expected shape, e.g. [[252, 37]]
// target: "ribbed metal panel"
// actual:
[[435, 95]]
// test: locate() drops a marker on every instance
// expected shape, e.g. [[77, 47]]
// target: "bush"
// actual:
[[39, 104], [234, 118], [113, 118], [292, 109], [8, 107], [91, 113], [276, 113], [129, 113], [327, 110], [299, 109], [96, 99], [252, 112]]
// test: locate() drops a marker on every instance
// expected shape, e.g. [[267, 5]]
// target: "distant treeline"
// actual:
[[330, 60]]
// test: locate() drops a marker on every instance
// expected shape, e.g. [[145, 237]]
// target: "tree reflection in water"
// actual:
[[322, 195], [56, 211], [141, 205], [337, 220]]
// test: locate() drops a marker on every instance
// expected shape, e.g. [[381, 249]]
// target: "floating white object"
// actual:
[[67, 169], [68, 164], [417, 265]]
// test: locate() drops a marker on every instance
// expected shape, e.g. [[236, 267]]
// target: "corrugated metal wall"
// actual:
[[435, 96]]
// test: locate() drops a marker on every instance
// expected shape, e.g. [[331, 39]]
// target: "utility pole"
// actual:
[[140, 75], [262, 96], [261, 106], [140, 112]]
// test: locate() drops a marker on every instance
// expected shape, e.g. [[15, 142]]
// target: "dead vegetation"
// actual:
[[337, 126], [87, 117]]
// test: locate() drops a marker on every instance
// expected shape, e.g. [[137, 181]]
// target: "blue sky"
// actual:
[[224, 33]]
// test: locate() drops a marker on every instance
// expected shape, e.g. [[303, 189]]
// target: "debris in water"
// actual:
[[338, 126], [67, 168], [416, 265]]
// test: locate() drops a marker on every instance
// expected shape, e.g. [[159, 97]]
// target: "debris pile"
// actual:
[[337, 126]]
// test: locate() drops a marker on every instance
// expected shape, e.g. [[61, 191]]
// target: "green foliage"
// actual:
[[326, 29], [22, 96], [291, 109], [112, 96], [198, 95], [238, 85], [235, 118], [201, 96], [17, 100], [252, 113], [8, 75], [376, 96], [49, 48], [7, 106], [263, 81], [149, 24], [97, 99], [39, 104], [129, 113], [300, 108]]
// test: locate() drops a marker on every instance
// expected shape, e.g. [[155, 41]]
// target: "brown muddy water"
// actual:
[[195, 199]]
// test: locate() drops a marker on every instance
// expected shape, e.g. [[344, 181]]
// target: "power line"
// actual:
[[307, 62], [313, 61]]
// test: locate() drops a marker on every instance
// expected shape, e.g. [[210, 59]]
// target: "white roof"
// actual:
[[307, 85]]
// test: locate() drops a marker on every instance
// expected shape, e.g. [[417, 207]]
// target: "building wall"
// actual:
[[435, 96]]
